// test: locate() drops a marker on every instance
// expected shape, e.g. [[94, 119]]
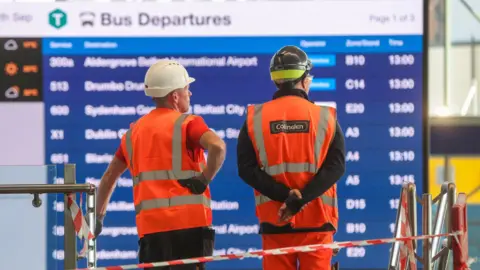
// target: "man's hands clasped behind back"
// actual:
[[292, 205]]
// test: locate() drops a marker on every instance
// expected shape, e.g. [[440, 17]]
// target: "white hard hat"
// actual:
[[165, 76]]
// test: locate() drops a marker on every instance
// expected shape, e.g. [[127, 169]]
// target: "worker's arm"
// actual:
[[331, 171], [107, 184], [250, 172], [216, 153], [200, 136]]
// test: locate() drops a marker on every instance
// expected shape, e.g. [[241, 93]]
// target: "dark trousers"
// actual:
[[174, 245]]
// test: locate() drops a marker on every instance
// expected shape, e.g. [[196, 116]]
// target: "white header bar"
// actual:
[[360, 17]]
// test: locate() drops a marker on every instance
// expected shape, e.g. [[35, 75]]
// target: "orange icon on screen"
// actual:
[[30, 45], [30, 92], [30, 69], [11, 69]]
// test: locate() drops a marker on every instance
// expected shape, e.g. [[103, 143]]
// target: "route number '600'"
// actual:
[[59, 110]]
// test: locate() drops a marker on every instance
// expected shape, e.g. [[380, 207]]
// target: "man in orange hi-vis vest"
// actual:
[[292, 152], [164, 152]]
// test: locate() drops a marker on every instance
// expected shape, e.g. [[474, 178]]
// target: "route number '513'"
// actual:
[[59, 86]]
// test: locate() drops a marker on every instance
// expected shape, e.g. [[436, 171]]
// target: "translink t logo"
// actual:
[[57, 18]]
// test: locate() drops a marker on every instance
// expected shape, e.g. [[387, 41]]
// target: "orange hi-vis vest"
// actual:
[[291, 137], [157, 157]]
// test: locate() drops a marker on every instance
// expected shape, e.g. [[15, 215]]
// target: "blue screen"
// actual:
[[93, 90]]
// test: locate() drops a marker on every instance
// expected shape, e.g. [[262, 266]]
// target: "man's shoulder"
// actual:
[[196, 127], [252, 107], [195, 119]]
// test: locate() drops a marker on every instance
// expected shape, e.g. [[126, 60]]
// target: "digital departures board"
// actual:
[[21, 75], [93, 93], [379, 102]]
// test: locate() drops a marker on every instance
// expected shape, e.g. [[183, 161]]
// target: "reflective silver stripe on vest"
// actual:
[[170, 202], [321, 132], [291, 167], [174, 174], [330, 201]]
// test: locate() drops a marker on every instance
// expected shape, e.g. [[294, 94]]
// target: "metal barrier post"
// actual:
[[446, 200], [427, 230], [412, 210], [70, 239], [442, 210], [92, 244], [443, 259], [452, 199], [439, 218]]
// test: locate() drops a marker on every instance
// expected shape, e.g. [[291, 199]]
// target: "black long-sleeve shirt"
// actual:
[[331, 171]]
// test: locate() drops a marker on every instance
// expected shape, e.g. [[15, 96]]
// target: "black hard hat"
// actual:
[[290, 63]]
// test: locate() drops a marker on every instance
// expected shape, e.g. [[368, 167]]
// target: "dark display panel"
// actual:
[[21, 74]]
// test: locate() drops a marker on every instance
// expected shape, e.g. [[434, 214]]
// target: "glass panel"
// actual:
[[25, 228]]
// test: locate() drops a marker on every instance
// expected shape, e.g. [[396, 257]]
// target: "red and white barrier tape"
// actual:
[[79, 223], [278, 251]]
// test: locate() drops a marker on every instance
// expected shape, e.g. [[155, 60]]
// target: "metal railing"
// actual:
[[435, 254], [69, 187]]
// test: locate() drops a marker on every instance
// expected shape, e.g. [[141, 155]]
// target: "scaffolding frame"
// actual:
[[435, 254]]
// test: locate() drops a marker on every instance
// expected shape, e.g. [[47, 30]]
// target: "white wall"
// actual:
[[460, 76]]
